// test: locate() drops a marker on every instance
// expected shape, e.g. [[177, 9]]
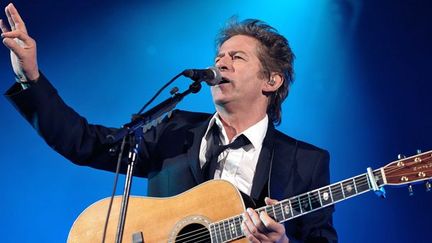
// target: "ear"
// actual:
[[271, 85]]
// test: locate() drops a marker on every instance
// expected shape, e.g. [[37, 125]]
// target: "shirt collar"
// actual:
[[254, 133]]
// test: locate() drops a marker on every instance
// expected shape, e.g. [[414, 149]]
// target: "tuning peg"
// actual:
[[410, 190], [401, 156], [419, 151], [428, 186]]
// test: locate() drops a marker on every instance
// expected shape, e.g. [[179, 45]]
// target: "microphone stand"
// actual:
[[135, 131]]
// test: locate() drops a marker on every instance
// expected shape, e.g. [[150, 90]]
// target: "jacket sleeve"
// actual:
[[66, 131]]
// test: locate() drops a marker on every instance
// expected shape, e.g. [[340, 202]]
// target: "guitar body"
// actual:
[[162, 219]]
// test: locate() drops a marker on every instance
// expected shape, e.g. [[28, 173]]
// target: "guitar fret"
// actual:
[[348, 188], [223, 233], [219, 235], [299, 203], [361, 185], [331, 193], [310, 203], [343, 190], [226, 230], [212, 233], [355, 186], [285, 209], [325, 195], [295, 207], [280, 216], [274, 213], [368, 181], [291, 209], [316, 203], [319, 195], [304, 203], [238, 221], [231, 228], [336, 192]]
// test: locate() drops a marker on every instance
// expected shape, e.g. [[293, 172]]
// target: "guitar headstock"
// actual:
[[409, 170]]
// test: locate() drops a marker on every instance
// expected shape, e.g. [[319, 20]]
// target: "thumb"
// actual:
[[269, 201]]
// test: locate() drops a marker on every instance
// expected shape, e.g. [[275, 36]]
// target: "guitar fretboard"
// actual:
[[230, 229]]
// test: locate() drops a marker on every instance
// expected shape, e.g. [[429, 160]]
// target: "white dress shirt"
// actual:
[[236, 165]]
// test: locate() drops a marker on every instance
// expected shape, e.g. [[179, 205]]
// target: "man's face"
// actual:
[[238, 62]]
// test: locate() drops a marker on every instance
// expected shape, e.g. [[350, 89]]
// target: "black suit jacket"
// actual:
[[170, 155]]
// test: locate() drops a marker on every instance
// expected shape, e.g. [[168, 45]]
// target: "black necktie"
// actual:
[[215, 150]]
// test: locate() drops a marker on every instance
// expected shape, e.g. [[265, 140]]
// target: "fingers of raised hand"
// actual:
[[14, 19], [19, 35], [17, 41]]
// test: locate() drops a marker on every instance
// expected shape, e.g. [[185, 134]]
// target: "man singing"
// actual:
[[256, 64]]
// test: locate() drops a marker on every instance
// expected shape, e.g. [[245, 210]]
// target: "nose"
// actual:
[[224, 64]]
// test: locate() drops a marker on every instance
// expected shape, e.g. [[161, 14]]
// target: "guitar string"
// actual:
[[201, 237], [187, 234], [277, 210]]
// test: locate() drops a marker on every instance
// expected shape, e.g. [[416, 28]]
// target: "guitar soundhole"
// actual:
[[193, 233]]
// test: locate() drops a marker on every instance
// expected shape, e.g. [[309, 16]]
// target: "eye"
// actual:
[[237, 57]]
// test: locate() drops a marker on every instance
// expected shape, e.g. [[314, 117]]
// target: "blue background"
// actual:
[[362, 91]]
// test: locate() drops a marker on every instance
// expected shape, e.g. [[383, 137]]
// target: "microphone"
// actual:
[[210, 75]]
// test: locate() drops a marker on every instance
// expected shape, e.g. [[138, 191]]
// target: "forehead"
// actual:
[[243, 43]]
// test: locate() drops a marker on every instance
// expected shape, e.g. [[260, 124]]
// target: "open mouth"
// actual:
[[224, 81]]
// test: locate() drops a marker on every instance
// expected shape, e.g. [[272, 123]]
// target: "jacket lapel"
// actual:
[[263, 165], [279, 157], [193, 153]]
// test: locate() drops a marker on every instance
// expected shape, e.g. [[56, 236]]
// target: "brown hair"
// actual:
[[274, 54]]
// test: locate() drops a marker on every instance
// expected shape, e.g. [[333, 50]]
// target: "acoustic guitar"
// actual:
[[211, 212]]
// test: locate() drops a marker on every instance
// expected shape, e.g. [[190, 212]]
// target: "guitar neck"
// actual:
[[230, 229]]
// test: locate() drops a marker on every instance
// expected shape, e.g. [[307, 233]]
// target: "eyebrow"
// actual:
[[231, 53]]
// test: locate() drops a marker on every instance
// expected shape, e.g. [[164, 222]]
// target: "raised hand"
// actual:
[[21, 45]]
